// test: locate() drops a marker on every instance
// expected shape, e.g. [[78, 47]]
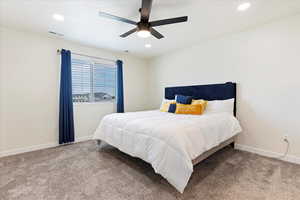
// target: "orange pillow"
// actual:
[[189, 109], [200, 101]]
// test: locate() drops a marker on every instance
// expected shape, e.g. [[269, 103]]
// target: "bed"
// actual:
[[173, 143]]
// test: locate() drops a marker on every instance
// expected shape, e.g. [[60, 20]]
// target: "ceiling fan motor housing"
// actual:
[[143, 26]]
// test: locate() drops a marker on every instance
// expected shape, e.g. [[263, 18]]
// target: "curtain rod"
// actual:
[[59, 51]]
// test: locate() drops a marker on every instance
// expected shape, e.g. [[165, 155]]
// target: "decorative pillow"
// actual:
[[192, 109], [200, 101], [183, 99], [165, 105], [166, 101], [172, 108]]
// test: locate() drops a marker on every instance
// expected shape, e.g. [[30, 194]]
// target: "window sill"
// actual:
[[93, 103]]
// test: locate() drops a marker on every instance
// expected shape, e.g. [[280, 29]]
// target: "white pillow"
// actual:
[[165, 101], [218, 106]]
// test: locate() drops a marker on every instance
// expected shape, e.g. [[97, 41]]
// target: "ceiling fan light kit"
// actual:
[[143, 33], [144, 27], [143, 30]]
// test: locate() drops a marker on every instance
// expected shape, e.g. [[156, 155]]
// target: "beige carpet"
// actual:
[[79, 171]]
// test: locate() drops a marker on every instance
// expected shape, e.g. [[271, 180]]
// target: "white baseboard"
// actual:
[[39, 147], [262, 152], [85, 138]]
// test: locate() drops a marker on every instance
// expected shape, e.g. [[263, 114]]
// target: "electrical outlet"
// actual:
[[285, 137]]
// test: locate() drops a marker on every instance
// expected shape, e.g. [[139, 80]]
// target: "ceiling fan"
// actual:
[[144, 27]]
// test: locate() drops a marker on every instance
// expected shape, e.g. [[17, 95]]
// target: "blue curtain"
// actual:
[[120, 92], [66, 121]]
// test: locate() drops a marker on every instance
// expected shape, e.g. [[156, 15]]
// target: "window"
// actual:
[[93, 81]]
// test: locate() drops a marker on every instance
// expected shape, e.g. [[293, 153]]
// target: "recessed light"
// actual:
[[244, 6], [58, 17], [148, 45]]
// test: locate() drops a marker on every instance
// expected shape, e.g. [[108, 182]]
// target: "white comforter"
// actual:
[[168, 141]]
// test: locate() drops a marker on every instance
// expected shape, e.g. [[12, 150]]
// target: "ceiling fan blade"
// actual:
[[169, 21], [129, 32], [156, 34], [145, 10], [121, 19]]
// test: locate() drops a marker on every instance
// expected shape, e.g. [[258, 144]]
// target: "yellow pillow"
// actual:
[[200, 101], [190, 109], [165, 106]]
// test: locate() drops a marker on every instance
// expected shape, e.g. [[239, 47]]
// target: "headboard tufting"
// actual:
[[207, 92]]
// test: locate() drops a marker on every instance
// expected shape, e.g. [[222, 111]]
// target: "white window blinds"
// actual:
[[93, 81]]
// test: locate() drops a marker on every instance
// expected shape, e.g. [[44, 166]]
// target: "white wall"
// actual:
[[29, 88], [265, 62]]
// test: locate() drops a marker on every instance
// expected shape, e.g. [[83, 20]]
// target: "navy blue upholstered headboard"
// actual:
[[207, 92]]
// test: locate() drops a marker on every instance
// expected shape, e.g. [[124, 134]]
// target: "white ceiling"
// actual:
[[207, 19]]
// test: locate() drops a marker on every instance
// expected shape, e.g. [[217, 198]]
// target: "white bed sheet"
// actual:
[[169, 142]]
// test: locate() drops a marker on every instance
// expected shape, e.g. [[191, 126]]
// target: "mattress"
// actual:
[[169, 142]]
